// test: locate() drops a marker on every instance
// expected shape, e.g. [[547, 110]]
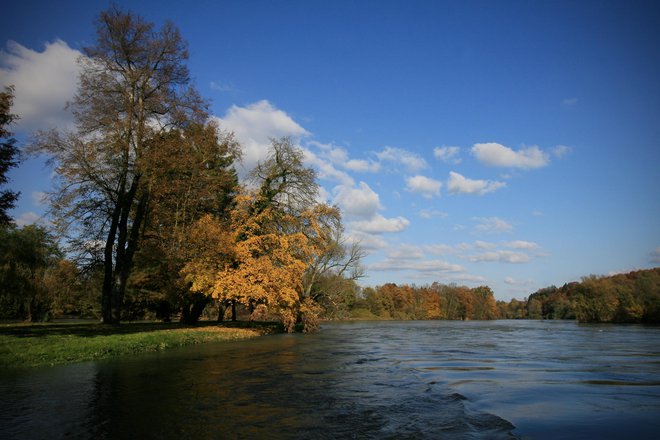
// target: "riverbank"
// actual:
[[34, 345]]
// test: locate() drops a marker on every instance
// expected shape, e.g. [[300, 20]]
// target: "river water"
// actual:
[[372, 380]]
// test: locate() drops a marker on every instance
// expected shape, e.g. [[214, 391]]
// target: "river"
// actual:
[[363, 380]]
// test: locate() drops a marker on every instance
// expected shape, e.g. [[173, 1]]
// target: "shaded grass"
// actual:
[[32, 345]]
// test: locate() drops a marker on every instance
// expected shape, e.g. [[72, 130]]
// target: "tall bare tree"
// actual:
[[133, 87]]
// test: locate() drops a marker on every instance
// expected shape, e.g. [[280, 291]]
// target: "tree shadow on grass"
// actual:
[[97, 329]]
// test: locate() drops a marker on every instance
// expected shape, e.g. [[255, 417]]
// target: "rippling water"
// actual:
[[444, 380]]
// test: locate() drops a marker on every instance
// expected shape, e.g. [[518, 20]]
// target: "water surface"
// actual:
[[437, 379]]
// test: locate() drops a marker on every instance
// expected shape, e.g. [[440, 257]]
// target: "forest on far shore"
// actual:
[[625, 298]]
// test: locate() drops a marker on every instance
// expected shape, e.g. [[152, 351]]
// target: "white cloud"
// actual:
[[569, 101], [484, 245], [439, 249], [222, 87], [423, 185], [458, 184], [325, 169], [361, 165], [498, 155], [44, 81], [30, 218], [39, 198], [514, 282], [254, 126], [367, 241], [406, 252], [560, 151], [447, 154], [323, 195], [419, 266], [379, 224], [501, 256], [357, 202], [411, 161], [430, 213], [521, 244], [655, 255], [492, 225], [466, 278], [339, 157]]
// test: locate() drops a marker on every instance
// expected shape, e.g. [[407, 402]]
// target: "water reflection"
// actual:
[[358, 380]]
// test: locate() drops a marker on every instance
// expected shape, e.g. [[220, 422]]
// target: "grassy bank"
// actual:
[[32, 345]]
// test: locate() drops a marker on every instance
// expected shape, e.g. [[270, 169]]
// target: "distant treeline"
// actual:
[[437, 301], [626, 298]]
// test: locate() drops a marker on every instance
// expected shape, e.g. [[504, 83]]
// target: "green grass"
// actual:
[[33, 345]]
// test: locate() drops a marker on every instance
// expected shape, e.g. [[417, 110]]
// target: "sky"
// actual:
[[514, 144]]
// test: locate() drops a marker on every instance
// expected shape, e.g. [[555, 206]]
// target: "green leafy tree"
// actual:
[[27, 255], [8, 153]]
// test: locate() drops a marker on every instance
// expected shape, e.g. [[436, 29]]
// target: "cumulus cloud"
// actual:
[[391, 264], [44, 81], [484, 245], [369, 242], [339, 156], [655, 255], [521, 244], [361, 165], [39, 198], [222, 87], [254, 126], [360, 201], [431, 213], [447, 154], [498, 155], [439, 249], [406, 252], [30, 218], [560, 151], [410, 161], [423, 185], [379, 224], [325, 169], [515, 282], [492, 225], [502, 256], [458, 184]]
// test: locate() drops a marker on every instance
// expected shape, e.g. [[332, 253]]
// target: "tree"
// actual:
[[8, 153], [485, 305], [285, 185], [191, 176], [281, 244], [26, 256], [133, 89], [330, 261], [255, 264]]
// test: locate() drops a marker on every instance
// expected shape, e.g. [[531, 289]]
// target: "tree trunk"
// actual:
[[192, 310], [116, 275], [221, 311]]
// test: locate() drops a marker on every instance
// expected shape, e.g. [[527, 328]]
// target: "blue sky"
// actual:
[[511, 143]]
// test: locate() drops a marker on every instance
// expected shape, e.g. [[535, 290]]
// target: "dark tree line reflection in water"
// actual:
[[447, 380]]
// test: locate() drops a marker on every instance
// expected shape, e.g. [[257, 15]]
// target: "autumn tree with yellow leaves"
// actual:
[[281, 241]]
